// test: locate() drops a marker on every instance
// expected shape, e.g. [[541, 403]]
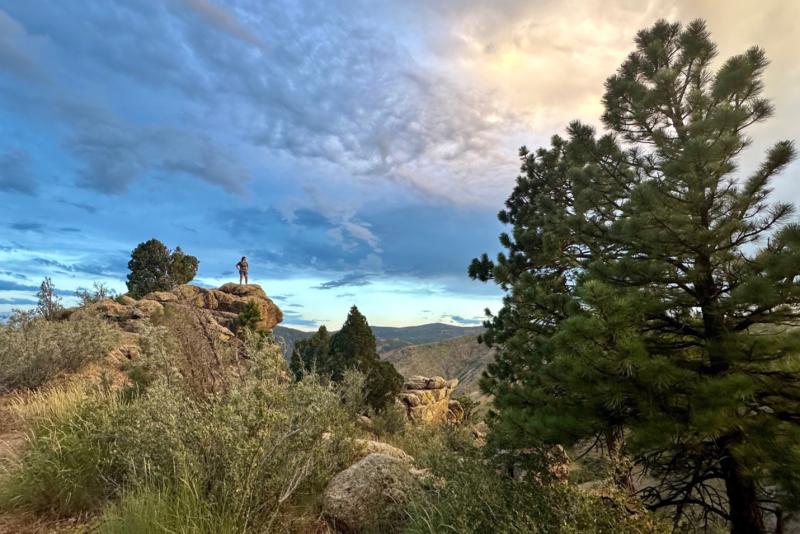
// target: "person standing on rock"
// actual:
[[243, 267]]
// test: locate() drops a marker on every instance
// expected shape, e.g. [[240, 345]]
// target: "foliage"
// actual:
[[153, 267], [249, 317], [182, 267], [475, 498], [99, 291], [470, 407], [352, 347], [33, 349], [309, 353], [249, 452], [49, 304], [389, 421], [643, 307]]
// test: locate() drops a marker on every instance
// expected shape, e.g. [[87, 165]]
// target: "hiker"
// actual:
[[242, 267]]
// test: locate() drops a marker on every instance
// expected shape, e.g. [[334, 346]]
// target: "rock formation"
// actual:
[[219, 308], [373, 490], [427, 400]]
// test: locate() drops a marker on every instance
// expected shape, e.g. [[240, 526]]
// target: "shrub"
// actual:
[[33, 350], [390, 420], [257, 451], [477, 499], [99, 291]]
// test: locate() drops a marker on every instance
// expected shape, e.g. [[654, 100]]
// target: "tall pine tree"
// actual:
[[653, 291]]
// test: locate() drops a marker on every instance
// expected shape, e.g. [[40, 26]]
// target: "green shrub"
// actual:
[[391, 420], [33, 350]]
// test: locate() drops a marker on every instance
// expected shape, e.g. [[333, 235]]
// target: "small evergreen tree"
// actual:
[[154, 268], [352, 347], [249, 317], [308, 354], [49, 302], [652, 294], [182, 267]]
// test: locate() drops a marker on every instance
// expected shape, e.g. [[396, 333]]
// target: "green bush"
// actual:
[[33, 350]]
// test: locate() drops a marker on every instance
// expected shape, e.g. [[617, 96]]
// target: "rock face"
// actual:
[[427, 400], [372, 491], [219, 307]]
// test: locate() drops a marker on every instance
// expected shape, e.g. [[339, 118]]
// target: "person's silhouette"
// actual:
[[243, 267]]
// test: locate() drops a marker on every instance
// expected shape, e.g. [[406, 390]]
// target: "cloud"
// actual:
[[18, 50], [7, 285], [223, 21], [349, 280], [464, 321], [15, 173], [345, 295], [28, 227], [18, 301], [292, 318]]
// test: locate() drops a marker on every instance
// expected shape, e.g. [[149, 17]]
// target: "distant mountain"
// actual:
[[389, 337], [462, 357]]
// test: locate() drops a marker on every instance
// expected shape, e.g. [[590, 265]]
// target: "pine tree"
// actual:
[[652, 292], [352, 347], [155, 268], [309, 354]]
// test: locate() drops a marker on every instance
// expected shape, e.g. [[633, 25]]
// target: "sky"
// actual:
[[357, 152]]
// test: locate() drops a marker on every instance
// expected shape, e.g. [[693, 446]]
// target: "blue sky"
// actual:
[[356, 152]]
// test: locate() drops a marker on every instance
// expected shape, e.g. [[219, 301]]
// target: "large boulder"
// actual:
[[372, 492]]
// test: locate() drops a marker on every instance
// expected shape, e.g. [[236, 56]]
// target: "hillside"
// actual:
[[388, 337], [462, 357]]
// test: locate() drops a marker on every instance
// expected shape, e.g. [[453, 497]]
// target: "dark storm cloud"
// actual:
[[7, 285], [15, 173], [349, 280]]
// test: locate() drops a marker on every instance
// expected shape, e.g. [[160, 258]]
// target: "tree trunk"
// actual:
[[615, 442], [746, 516]]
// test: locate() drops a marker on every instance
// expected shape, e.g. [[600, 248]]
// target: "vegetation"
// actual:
[[155, 268], [650, 290], [249, 453], [49, 304], [99, 291], [34, 350], [352, 347], [249, 317]]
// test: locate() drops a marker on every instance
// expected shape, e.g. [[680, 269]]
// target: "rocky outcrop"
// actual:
[[427, 400], [219, 308], [371, 492]]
